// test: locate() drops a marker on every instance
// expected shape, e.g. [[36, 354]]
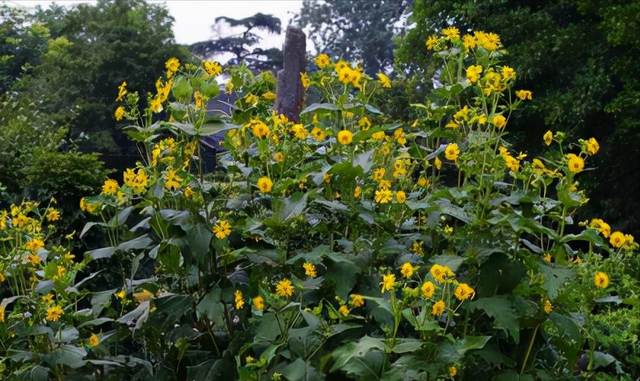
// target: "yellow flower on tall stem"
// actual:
[[310, 269], [54, 313], [601, 280], [222, 229], [265, 184], [284, 288], [388, 282], [94, 340], [438, 308]]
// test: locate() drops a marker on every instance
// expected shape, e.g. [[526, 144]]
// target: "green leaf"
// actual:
[[555, 276], [501, 309], [68, 355], [407, 346], [319, 106], [301, 370], [294, 206], [453, 352], [360, 348], [34, 373], [211, 307]]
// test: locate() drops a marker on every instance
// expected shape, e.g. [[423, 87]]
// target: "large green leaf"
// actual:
[[501, 309], [301, 370], [357, 349], [555, 276], [68, 355]]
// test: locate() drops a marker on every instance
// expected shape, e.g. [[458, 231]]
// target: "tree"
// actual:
[[240, 44], [93, 49], [355, 30], [581, 60], [22, 40]]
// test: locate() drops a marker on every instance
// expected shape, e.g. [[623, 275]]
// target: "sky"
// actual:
[[193, 19]]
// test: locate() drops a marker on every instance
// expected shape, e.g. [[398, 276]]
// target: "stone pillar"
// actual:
[[289, 92]]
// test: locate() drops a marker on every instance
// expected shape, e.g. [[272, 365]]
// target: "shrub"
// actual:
[[339, 247]]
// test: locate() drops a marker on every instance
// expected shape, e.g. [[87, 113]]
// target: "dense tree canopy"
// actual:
[[354, 30], [93, 49]]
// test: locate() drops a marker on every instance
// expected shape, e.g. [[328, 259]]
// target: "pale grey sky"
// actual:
[[193, 19]]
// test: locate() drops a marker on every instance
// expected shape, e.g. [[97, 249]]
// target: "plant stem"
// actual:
[[526, 358]]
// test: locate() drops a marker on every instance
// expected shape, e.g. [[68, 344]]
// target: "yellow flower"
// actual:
[[122, 91], [432, 41], [344, 310], [383, 196], [576, 163], [34, 259], [378, 136], [119, 113], [172, 64], [407, 270], [357, 300], [269, 95], [591, 146], [451, 33], [299, 131], [309, 269], [468, 41], [110, 187], [249, 359], [222, 229], [259, 129], [384, 80], [464, 292], [388, 282], [399, 136], [428, 288], [188, 192], [438, 308], [448, 229], [121, 294], [2, 314], [452, 151], [238, 299], [278, 157], [258, 302], [34, 245], [453, 371], [265, 184], [304, 78], [228, 88], [601, 280], [523, 94], [322, 61], [547, 137], [54, 313], [47, 299], [441, 273], [401, 197], [318, 134], [171, 180], [212, 68], [155, 105], [94, 340], [357, 192], [547, 258], [345, 137], [508, 73], [364, 123], [473, 73], [53, 214], [438, 163], [499, 120], [617, 239], [284, 288], [547, 306]]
